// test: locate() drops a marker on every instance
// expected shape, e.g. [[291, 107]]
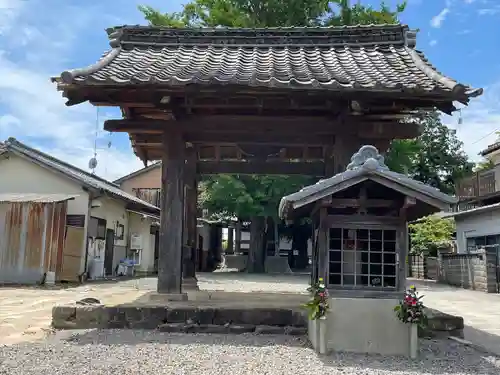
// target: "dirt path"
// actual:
[[25, 313]]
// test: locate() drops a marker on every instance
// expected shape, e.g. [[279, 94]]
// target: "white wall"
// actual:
[[112, 210], [481, 224], [18, 175], [141, 226]]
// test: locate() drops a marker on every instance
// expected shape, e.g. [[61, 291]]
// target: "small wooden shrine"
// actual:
[[255, 101], [360, 246]]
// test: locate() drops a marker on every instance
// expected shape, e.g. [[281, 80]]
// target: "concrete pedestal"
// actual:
[[238, 262], [317, 333], [367, 325], [277, 264]]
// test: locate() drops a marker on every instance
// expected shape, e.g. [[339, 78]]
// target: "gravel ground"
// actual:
[[142, 352]]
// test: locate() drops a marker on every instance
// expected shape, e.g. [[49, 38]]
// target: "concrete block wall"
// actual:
[[476, 271], [465, 270]]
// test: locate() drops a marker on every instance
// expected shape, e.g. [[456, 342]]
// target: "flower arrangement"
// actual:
[[318, 305], [411, 308]]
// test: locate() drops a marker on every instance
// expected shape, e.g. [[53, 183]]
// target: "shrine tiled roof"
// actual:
[[365, 163], [363, 58]]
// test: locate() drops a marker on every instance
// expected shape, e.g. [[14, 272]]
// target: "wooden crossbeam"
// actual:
[[261, 167], [356, 203]]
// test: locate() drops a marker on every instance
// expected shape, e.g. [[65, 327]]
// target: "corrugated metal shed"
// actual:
[[35, 198], [32, 236]]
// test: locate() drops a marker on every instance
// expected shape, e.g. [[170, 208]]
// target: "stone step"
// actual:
[[149, 317], [221, 319], [232, 329]]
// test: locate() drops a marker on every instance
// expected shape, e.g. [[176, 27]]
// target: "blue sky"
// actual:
[[41, 38]]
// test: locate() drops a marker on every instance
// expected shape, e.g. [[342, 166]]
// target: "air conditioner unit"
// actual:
[[135, 242]]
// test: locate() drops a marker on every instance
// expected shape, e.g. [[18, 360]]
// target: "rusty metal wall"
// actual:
[[31, 240]]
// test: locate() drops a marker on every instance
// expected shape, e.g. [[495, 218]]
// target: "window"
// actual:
[[475, 243], [120, 229], [362, 257], [97, 228], [135, 256]]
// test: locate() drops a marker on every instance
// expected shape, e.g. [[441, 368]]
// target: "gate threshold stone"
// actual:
[[151, 317]]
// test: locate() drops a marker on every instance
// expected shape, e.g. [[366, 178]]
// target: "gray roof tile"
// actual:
[[35, 198], [75, 173], [337, 58], [367, 161]]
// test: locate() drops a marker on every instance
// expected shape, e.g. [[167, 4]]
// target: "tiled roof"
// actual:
[[35, 198], [363, 58], [138, 172], [491, 148], [85, 178], [364, 163]]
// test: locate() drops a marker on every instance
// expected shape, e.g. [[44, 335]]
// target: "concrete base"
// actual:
[[238, 262], [163, 297], [367, 325], [189, 284], [277, 264], [317, 333]]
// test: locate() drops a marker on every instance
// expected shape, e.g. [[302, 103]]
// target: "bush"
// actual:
[[430, 234]]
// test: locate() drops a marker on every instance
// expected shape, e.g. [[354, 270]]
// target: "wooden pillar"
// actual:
[[230, 239], [172, 214], [189, 238], [323, 245], [237, 245], [256, 258]]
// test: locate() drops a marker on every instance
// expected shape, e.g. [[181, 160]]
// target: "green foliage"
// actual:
[[317, 306], [429, 234], [272, 13], [484, 165], [359, 14], [435, 158], [246, 196]]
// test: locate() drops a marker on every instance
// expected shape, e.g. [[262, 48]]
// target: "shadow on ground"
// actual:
[[489, 342]]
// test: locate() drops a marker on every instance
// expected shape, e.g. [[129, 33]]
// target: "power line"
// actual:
[[483, 137]]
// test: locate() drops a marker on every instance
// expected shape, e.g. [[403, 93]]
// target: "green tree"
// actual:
[[436, 157], [272, 13], [430, 234], [484, 165], [257, 197]]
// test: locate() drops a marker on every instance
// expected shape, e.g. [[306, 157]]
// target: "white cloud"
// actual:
[[433, 42], [480, 121], [35, 41], [438, 20], [489, 11]]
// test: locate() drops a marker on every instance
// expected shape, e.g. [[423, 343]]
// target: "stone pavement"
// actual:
[[25, 312], [481, 311]]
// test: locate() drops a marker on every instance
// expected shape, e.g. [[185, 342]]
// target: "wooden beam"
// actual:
[[224, 124], [261, 167], [368, 203], [271, 138], [274, 138], [172, 215]]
